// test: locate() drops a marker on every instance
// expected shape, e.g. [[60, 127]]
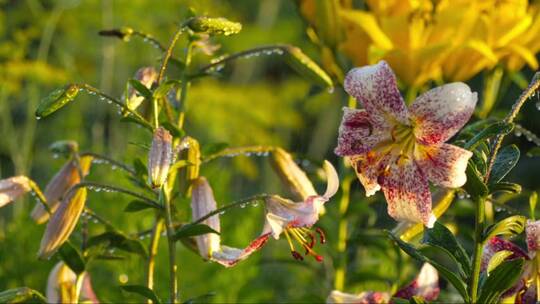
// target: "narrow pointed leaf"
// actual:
[[510, 226], [143, 291], [475, 185], [494, 129], [501, 279], [141, 88], [72, 257], [504, 162], [56, 100], [138, 205], [192, 230], [505, 187], [22, 295]]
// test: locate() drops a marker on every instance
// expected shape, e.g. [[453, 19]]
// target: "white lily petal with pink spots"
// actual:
[[332, 180], [229, 256], [407, 191], [366, 297], [376, 88], [357, 134], [368, 168], [425, 285], [441, 112], [533, 237], [444, 165], [497, 244]]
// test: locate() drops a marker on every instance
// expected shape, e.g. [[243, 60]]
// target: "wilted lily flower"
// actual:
[[62, 286], [525, 289], [57, 187], [147, 76], [63, 222], [160, 157], [425, 285], [12, 188], [282, 216], [400, 149]]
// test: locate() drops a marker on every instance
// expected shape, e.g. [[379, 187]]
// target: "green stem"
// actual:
[[185, 85], [478, 247], [238, 151], [340, 274], [168, 54], [109, 161], [249, 200], [154, 242], [92, 185], [173, 280]]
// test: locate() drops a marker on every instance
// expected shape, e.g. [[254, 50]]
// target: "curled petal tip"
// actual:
[[332, 180]]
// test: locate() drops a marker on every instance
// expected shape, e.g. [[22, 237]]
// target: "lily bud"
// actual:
[[62, 222], [214, 26], [192, 154], [12, 188], [202, 203], [147, 76], [62, 286], [59, 185], [291, 174], [160, 157]]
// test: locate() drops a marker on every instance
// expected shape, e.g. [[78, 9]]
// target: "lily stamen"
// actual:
[[296, 255]]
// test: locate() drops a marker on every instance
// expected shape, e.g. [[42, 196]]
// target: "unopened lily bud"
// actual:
[[291, 174], [13, 188], [192, 154], [62, 286], [202, 203], [64, 147], [160, 157], [62, 222], [214, 26], [57, 187], [147, 76]]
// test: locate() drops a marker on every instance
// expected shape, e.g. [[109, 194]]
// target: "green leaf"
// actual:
[[306, 67], [494, 129], [141, 88], [135, 120], [200, 299], [510, 226], [475, 185], [120, 241], [138, 205], [21, 295], [72, 257], [180, 164], [213, 148], [213, 26], [505, 187], [140, 168], [504, 162], [192, 230], [445, 272], [439, 236], [501, 279], [163, 89], [143, 291], [497, 259], [56, 100]]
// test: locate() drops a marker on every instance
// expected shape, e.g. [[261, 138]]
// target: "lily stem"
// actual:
[[478, 247], [185, 85], [173, 281], [340, 274], [154, 242]]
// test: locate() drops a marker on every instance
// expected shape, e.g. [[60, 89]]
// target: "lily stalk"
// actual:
[[340, 274]]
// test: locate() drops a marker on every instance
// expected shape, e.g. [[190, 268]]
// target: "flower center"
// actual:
[[306, 238]]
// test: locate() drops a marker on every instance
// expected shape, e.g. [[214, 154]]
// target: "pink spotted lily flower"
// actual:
[[525, 290], [425, 285], [282, 216], [399, 149]]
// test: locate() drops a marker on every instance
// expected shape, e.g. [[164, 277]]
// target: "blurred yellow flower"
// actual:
[[439, 40]]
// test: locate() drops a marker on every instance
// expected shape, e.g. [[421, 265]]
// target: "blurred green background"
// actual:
[[45, 44]]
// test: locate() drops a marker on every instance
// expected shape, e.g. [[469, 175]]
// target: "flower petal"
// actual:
[[229, 256], [367, 297], [441, 112], [425, 285], [407, 191], [444, 165], [332, 180], [357, 135], [497, 244], [368, 168], [282, 213], [13, 188], [533, 237], [376, 88]]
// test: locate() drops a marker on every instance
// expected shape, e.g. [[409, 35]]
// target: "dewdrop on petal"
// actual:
[[62, 222], [57, 187], [12, 188], [291, 174], [160, 157]]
